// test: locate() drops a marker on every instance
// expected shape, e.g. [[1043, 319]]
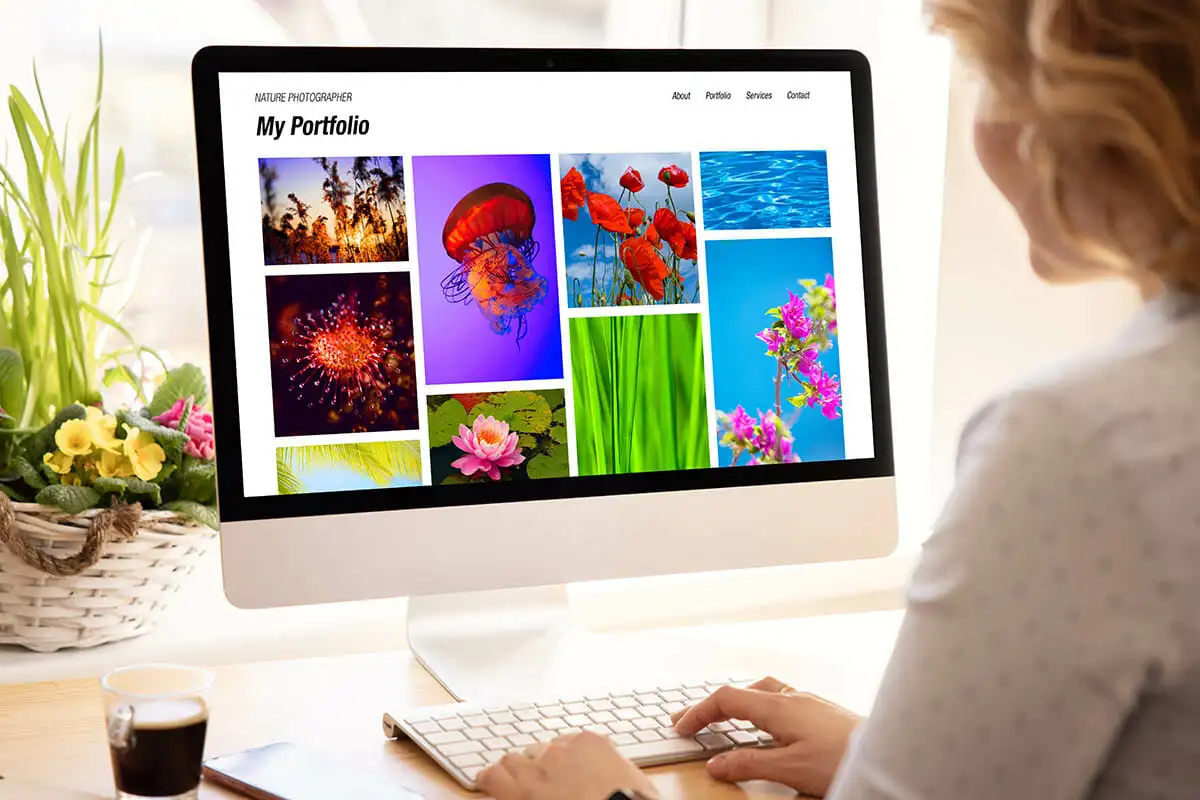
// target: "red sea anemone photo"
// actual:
[[629, 228], [342, 353]]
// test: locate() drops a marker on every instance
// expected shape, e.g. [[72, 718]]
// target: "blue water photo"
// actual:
[[765, 190]]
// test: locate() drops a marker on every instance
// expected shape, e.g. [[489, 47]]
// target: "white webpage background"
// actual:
[[550, 113]]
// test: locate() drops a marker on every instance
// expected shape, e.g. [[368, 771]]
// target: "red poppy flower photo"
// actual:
[[629, 229]]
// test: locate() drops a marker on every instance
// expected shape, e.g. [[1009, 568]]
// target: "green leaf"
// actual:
[[70, 499], [288, 482], [115, 486], [807, 283], [798, 401], [527, 440], [774, 312], [12, 381], [550, 465], [455, 478], [198, 482], [12, 493], [205, 515], [170, 440], [444, 422], [559, 415], [123, 374], [137, 486], [42, 442], [558, 433], [533, 416], [181, 383], [27, 472]]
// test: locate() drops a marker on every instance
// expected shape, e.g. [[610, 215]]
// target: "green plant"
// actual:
[[538, 418], [640, 396], [58, 252], [379, 462], [85, 458]]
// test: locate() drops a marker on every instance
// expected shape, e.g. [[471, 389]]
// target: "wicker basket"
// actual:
[[98, 577]]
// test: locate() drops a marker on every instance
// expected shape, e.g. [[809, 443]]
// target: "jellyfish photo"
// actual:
[[486, 232], [489, 234]]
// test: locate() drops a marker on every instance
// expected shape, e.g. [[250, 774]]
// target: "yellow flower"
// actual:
[[60, 462], [103, 428], [74, 438], [114, 465], [71, 480], [144, 454]]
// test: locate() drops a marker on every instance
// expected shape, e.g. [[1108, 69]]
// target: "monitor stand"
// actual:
[[494, 645]]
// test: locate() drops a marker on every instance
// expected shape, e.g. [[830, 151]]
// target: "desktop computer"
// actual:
[[509, 319]]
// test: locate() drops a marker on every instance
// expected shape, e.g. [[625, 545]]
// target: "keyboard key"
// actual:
[[601, 705], [721, 727], [603, 730], [625, 702], [492, 756], [765, 738], [645, 724], [661, 748], [742, 738], [673, 708], [577, 708], [651, 710], [528, 727], [545, 736], [621, 726], [664, 721], [496, 710], [743, 725], [621, 739], [668, 733], [477, 721], [440, 715], [602, 717], [647, 736], [577, 720], [522, 740], [571, 731], [628, 713], [468, 760], [478, 734], [554, 711], [503, 730], [501, 745], [472, 772], [527, 715], [595, 697], [674, 697], [695, 693], [460, 748], [714, 741], [554, 724], [647, 699], [453, 724], [427, 727], [503, 718], [445, 737]]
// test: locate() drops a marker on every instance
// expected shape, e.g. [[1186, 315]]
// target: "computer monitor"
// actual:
[[519, 318]]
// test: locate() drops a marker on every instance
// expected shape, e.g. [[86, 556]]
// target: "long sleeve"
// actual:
[[1033, 622]]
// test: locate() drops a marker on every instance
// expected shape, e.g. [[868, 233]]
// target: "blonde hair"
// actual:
[[1099, 87]]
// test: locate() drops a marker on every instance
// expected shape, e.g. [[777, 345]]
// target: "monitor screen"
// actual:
[[476, 286]]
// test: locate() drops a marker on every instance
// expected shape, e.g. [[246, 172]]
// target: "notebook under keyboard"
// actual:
[[464, 738]]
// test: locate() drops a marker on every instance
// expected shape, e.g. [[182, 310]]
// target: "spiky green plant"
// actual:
[[379, 462], [57, 207]]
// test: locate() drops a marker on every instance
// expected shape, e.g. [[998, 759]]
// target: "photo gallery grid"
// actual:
[[467, 318]]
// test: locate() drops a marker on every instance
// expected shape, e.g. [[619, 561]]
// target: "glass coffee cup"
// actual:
[[157, 718]]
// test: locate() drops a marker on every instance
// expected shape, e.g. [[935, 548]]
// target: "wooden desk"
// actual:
[[53, 733]]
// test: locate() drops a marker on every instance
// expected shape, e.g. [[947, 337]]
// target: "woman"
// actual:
[[1052, 644]]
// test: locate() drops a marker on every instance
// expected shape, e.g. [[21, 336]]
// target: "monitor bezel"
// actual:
[[210, 62]]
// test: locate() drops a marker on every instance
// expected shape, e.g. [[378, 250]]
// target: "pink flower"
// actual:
[[199, 428], [488, 445]]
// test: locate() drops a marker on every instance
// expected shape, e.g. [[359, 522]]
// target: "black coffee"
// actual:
[[163, 754]]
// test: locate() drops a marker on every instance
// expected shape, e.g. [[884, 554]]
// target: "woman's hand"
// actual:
[[811, 735], [583, 766]]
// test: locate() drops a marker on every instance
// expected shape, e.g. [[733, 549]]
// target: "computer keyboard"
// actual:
[[464, 738]]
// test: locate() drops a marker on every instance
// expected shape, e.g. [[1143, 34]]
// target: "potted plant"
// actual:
[[103, 512]]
